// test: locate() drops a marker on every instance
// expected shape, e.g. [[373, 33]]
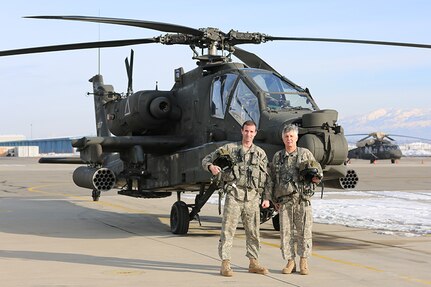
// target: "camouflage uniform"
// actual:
[[243, 186], [293, 195]]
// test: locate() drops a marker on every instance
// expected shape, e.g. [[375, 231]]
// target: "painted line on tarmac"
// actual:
[[346, 262], [407, 278], [38, 187]]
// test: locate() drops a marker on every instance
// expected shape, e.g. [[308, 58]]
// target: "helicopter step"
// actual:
[[180, 217], [144, 193]]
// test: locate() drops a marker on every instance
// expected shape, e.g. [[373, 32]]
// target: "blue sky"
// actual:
[[44, 95]]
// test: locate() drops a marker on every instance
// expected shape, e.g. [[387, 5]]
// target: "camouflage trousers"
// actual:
[[249, 213], [296, 220]]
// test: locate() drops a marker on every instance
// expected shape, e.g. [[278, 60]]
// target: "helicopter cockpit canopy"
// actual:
[[238, 100], [279, 94], [239, 95]]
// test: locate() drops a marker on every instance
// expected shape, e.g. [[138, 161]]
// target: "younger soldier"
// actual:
[[244, 185]]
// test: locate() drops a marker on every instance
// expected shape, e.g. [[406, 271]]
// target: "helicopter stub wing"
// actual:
[[61, 160], [149, 144]]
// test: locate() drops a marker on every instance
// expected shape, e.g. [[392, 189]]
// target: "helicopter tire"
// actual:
[[95, 195], [392, 160], [179, 218], [372, 160], [276, 222]]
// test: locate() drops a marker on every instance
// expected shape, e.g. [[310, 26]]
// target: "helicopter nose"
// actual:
[[396, 153]]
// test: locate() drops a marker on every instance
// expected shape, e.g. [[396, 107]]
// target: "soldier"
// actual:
[[294, 175], [244, 184]]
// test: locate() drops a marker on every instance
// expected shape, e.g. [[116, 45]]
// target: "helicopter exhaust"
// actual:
[[347, 182], [94, 178], [152, 111]]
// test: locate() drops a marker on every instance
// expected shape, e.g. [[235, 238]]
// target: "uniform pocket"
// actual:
[[228, 176], [241, 180], [284, 189]]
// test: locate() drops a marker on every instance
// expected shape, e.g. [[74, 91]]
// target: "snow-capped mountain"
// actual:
[[408, 122]]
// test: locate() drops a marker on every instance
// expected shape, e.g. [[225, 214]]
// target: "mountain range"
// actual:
[[408, 122]]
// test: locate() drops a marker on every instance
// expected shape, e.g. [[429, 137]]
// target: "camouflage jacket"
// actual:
[[284, 183], [248, 176]]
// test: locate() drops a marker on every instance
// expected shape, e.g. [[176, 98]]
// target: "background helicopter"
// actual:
[[160, 137], [376, 146]]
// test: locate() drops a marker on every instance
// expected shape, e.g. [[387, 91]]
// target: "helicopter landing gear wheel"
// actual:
[[180, 218], [276, 222], [95, 195], [372, 160], [393, 160]]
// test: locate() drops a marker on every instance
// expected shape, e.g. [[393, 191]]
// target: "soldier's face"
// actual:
[[248, 133], [290, 139]]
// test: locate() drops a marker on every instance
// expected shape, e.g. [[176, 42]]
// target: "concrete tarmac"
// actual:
[[53, 234]]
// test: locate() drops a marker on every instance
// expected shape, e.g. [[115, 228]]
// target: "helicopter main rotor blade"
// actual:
[[402, 44], [349, 135], [409, 137], [252, 60], [212, 34], [159, 26], [78, 46], [364, 138]]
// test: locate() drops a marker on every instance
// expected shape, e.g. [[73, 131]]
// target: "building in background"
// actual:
[[19, 146]]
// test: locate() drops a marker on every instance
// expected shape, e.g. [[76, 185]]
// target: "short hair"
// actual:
[[290, 128], [248, 123]]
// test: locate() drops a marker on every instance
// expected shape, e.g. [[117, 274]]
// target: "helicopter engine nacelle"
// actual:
[[142, 112], [323, 137]]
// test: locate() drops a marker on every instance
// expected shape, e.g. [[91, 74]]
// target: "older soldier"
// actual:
[[294, 175], [244, 184]]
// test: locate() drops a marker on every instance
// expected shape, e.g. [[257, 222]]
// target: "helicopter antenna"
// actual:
[[129, 70], [98, 51]]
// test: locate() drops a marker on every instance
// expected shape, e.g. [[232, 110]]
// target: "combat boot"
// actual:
[[303, 265], [290, 267], [254, 267], [225, 269]]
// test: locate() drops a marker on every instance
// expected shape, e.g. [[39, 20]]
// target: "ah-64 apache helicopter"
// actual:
[[378, 145], [150, 143]]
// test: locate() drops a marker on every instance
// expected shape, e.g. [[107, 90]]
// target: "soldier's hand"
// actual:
[[265, 203], [215, 169]]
